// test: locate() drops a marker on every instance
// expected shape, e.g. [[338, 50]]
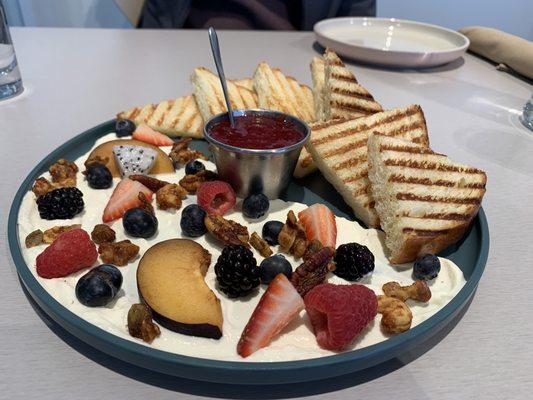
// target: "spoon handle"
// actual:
[[213, 39]]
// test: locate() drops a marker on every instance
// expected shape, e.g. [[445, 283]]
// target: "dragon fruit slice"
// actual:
[[134, 159]]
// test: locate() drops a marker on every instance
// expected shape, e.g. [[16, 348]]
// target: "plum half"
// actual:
[[170, 280]]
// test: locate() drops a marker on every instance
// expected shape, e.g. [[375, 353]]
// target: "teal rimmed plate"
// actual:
[[470, 254]]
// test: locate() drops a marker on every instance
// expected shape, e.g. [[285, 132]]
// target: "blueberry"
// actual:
[[96, 288], [124, 127], [255, 206], [426, 267], [99, 176], [113, 272], [192, 221], [138, 222], [271, 230], [193, 167], [272, 266]]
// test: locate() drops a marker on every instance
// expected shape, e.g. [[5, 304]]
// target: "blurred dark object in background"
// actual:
[[249, 14]]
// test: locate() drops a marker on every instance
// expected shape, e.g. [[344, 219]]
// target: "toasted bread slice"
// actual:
[[344, 97], [209, 96], [276, 91], [248, 83], [339, 149], [318, 74], [178, 117], [425, 201]]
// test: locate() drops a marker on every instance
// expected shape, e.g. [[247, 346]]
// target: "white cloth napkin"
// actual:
[[501, 47]]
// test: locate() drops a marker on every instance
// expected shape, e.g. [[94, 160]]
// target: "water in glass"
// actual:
[[10, 80], [527, 114]]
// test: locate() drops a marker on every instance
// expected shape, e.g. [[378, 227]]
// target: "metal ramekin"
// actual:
[[256, 171]]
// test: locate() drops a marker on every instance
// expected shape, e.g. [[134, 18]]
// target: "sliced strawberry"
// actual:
[[319, 223], [124, 197], [147, 135], [216, 197], [276, 308]]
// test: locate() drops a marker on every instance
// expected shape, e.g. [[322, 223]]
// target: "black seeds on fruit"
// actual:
[[353, 261], [236, 271], [62, 203]]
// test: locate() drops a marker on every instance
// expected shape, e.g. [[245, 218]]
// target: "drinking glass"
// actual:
[[10, 80], [527, 114]]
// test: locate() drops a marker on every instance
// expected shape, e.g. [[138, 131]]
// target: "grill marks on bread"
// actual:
[[210, 98], [344, 96], [177, 117], [424, 200], [278, 92], [340, 149]]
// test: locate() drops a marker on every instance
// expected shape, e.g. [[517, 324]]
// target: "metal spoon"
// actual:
[[213, 39]]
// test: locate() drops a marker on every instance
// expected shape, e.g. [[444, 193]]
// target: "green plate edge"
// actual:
[[474, 246]]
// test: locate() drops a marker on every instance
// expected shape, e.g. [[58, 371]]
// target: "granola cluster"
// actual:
[[192, 182], [313, 271], [118, 253], [102, 233], [63, 173], [181, 154], [170, 196], [260, 245], [140, 324], [292, 237], [38, 237], [150, 182], [226, 231], [145, 203]]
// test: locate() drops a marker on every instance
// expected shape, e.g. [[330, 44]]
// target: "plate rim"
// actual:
[[117, 346], [462, 48]]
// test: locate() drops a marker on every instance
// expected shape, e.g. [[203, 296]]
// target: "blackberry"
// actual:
[[236, 271], [353, 261], [63, 203]]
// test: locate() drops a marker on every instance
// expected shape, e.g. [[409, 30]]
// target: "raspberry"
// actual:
[[339, 313], [216, 197], [70, 252]]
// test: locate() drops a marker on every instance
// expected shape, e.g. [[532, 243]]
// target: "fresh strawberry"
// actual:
[[124, 197], [276, 308], [319, 223], [147, 135]]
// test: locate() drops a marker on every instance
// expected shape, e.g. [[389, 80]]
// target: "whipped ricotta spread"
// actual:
[[296, 342]]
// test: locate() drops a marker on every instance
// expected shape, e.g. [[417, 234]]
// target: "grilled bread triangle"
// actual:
[[425, 201], [339, 149], [248, 83], [278, 92], [318, 74], [178, 117], [210, 98], [343, 96]]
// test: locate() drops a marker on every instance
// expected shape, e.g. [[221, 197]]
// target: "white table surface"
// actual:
[[76, 79]]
